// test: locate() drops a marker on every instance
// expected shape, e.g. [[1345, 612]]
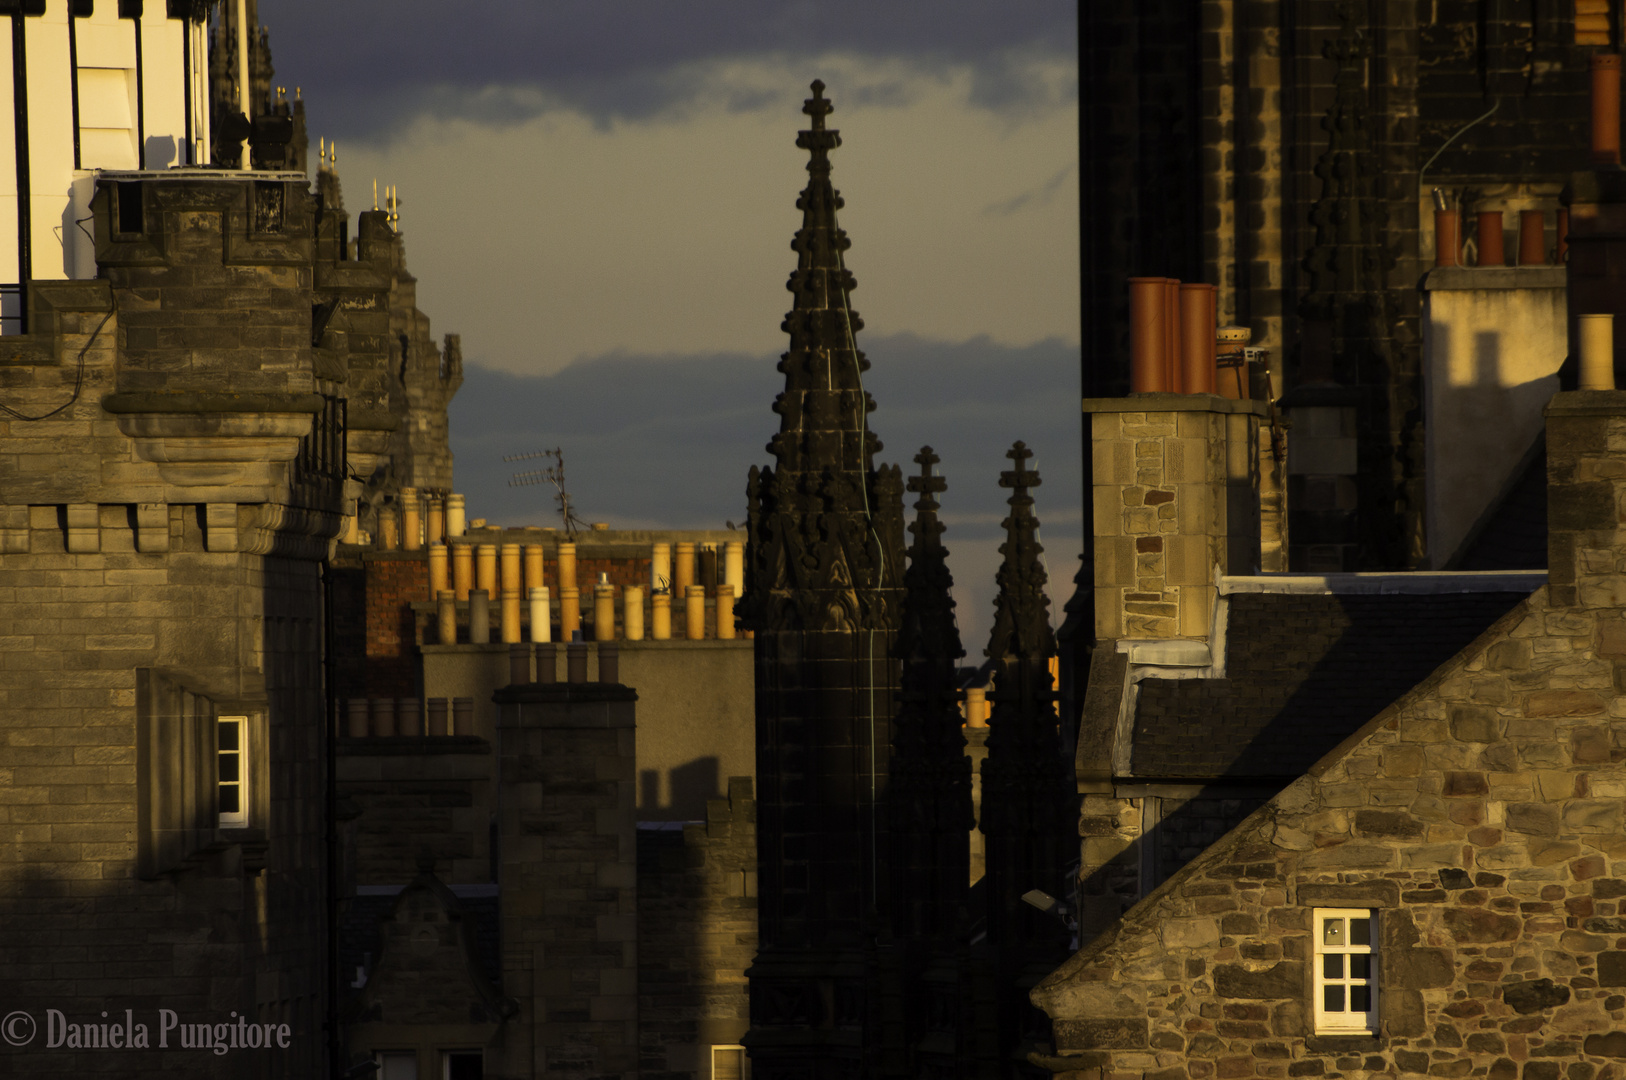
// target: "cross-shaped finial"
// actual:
[[928, 484], [1021, 477], [817, 106]]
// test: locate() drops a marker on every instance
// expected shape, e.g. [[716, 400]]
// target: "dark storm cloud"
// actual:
[[666, 442], [365, 64], [669, 440]]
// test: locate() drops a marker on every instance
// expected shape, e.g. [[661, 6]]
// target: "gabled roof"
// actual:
[[434, 956], [1301, 671]]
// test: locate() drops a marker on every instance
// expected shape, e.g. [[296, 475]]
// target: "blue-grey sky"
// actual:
[[599, 196]]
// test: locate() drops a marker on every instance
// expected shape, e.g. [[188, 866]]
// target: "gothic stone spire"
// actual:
[[1021, 610], [1029, 811], [825, 526], [824, 563], [930, 798], [823, 408]]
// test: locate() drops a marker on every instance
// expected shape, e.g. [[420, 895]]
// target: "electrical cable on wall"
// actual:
[[78, 379], [1458, 132]]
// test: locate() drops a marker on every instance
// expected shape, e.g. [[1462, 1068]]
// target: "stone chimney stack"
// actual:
[[568, 842], [1585, 490], [1176, 488], [1596, 199]]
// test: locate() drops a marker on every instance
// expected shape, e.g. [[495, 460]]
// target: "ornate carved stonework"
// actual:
[[825, 525], [824, 589]]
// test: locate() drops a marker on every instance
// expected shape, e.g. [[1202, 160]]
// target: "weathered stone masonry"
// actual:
[[1481, 816]]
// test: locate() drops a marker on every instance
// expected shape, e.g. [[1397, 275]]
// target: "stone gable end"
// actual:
[[1480, 815]]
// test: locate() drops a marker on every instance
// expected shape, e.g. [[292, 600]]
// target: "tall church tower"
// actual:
[[823, 594]]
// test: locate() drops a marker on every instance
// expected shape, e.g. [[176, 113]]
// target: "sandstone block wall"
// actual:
[[168, 479], [238, 921], [697, 933], [1482, 816], [1176, 492], [409, 795], [569, 881]]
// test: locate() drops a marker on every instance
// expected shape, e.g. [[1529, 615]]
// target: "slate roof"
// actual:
[[359, 939], [1303, 672], [1514, 536]]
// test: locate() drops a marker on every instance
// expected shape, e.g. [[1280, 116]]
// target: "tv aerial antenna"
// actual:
[[553, 474]]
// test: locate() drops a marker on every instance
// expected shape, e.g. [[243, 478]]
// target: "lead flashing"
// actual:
[[1457, 278], [1407, 583], [1159, 403]]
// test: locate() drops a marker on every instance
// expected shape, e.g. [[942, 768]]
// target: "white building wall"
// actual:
[[164, 83], [50, 137], [132, 115], [1493, 341]]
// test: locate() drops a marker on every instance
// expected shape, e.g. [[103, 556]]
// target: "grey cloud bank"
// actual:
[[367, 65], [667, 441]]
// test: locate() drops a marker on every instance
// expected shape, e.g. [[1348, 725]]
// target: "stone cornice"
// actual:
[[128, 402]]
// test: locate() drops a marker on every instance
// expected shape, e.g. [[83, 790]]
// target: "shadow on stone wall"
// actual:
[[697, 933]]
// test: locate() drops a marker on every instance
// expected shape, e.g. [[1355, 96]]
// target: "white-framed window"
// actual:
[[1346, 970], [728, 1063], [397, 1065], [231, 770], [463, 1065]]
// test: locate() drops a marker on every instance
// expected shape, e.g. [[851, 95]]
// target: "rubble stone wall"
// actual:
[[1481, 816]]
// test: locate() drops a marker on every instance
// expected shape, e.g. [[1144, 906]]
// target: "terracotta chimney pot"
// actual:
[[1606, 108]]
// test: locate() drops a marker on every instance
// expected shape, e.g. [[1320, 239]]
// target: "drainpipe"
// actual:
[[330, 992], [242, 76]]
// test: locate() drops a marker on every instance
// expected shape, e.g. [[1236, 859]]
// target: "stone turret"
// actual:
[[1029, 810], [823, 593], [428, 376]]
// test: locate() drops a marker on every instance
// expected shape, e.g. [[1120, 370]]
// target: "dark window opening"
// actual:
[[268, 202], [131, 217], [465, 1065]]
